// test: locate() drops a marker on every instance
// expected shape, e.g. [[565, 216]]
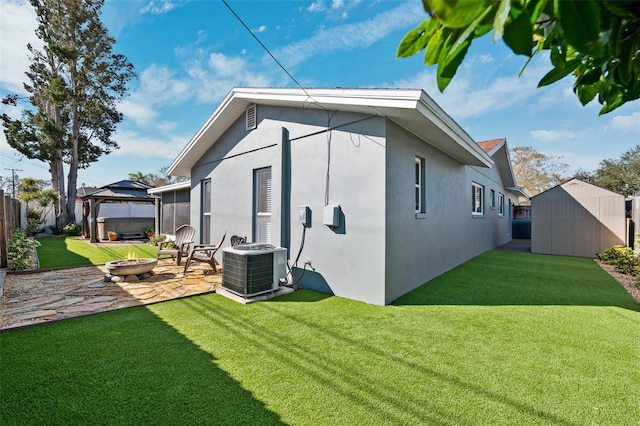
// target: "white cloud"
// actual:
[[626, 123], [224, 65], [158, 8], [546, 136], [350, 36], [17, 29], [317, 6], [260, 29], [467, 97], [576, 161], [135, 145], [337, 4], [138, 112]]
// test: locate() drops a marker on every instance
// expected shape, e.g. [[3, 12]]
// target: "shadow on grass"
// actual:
[[122, 367], [388, 404], [509, 278]]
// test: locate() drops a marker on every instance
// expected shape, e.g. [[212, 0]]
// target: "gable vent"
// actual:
[[251, 117]]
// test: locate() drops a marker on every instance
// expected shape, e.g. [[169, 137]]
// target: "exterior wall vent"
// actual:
[[251, 117]]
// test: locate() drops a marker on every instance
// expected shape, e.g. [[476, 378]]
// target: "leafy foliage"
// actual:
[[72, 229], [536, 171], [156, 180], [621, 175], [624, 260], [21, 250], [598, 41], [74, 84]]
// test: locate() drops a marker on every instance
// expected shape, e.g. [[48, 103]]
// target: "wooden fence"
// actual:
[[9, 220]]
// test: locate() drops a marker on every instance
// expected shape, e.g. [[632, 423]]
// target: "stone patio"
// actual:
[[39, 297]]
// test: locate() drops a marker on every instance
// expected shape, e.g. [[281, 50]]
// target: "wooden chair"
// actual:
[[184, 239], [236, 240], [205, 253]]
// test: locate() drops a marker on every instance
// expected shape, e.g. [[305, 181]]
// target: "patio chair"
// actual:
[[205, 253], [237, 240], [184, 239]]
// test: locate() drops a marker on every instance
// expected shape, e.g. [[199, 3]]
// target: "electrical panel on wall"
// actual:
[[331, 216], [304, 216]]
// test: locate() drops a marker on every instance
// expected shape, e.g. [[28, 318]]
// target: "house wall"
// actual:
[[419, 249], [349, 259], [577, 219]]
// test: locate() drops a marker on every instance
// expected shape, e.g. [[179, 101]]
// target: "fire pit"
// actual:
[[130, 266]]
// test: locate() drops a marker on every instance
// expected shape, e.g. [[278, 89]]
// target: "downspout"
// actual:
[[285, 192]]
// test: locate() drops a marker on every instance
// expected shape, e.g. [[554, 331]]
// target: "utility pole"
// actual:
[[13, 180]]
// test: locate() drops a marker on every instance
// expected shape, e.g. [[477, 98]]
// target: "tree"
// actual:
[[621, 176], [598, 41], [156, 180], [536, 171], [74, 85]]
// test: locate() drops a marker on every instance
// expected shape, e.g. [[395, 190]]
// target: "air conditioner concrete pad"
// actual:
[[259, 298]]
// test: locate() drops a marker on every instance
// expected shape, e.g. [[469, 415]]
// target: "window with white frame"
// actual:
[[262, 205], [492, 198], [205, 220], [419, 186], [477, 199], [501, 204]]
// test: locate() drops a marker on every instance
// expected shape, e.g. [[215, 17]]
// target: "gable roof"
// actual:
[[499, 152], [411, 109], [577, 187]]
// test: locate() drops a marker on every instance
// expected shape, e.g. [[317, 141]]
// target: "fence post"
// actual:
[[4, 224]]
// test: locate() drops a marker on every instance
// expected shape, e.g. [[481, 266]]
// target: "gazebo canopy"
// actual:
[[124, 191]]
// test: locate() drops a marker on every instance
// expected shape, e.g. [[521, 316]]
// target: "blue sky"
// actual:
[[189, 54]]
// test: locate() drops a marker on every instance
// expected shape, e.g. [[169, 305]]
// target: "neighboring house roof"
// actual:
[[499, 152], [171, 187], [412, 109], [124, 190], [85, 190]]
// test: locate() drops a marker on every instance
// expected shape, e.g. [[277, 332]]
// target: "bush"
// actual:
[[157, 238], [623, 258], [55, 230], [21, 250], [72, 229]]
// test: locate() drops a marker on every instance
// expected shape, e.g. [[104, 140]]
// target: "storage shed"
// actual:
[[577, 219]]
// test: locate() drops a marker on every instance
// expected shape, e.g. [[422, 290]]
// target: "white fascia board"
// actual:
[[434, 113], [170, 187]]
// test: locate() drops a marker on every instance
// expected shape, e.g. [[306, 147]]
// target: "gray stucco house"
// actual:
[[393, 191]]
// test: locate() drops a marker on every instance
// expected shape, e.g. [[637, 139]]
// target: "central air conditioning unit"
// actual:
[[252, 269]]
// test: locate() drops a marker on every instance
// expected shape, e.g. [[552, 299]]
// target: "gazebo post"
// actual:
[[93, 228]]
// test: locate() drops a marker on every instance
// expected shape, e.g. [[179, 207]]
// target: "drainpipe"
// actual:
[[285, 191]]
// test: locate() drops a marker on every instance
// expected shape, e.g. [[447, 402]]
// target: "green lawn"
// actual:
[[62, 252], [505, 339]]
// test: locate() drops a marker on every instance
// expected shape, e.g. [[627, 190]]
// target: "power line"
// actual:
[[265, 47]]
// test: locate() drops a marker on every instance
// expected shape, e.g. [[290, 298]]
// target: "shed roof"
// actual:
[[577, 188], [412, 109]]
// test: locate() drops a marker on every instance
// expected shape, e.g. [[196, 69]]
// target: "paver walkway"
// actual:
[[40, 297]]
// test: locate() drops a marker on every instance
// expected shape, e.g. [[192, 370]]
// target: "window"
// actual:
[[477, 199], [492, 195], [205, 228], [501, 204], [262, 205], [419, 187]]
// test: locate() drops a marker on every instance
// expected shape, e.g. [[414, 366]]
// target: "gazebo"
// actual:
[[124, 191]]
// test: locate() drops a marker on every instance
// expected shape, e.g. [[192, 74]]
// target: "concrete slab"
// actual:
[[261, 297]]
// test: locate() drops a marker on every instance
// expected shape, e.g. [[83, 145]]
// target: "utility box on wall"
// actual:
[[331, 216]]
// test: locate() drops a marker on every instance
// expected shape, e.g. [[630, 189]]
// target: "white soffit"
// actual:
[[412, 109]]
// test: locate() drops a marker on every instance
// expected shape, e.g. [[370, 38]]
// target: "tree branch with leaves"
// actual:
[[595, 41]]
